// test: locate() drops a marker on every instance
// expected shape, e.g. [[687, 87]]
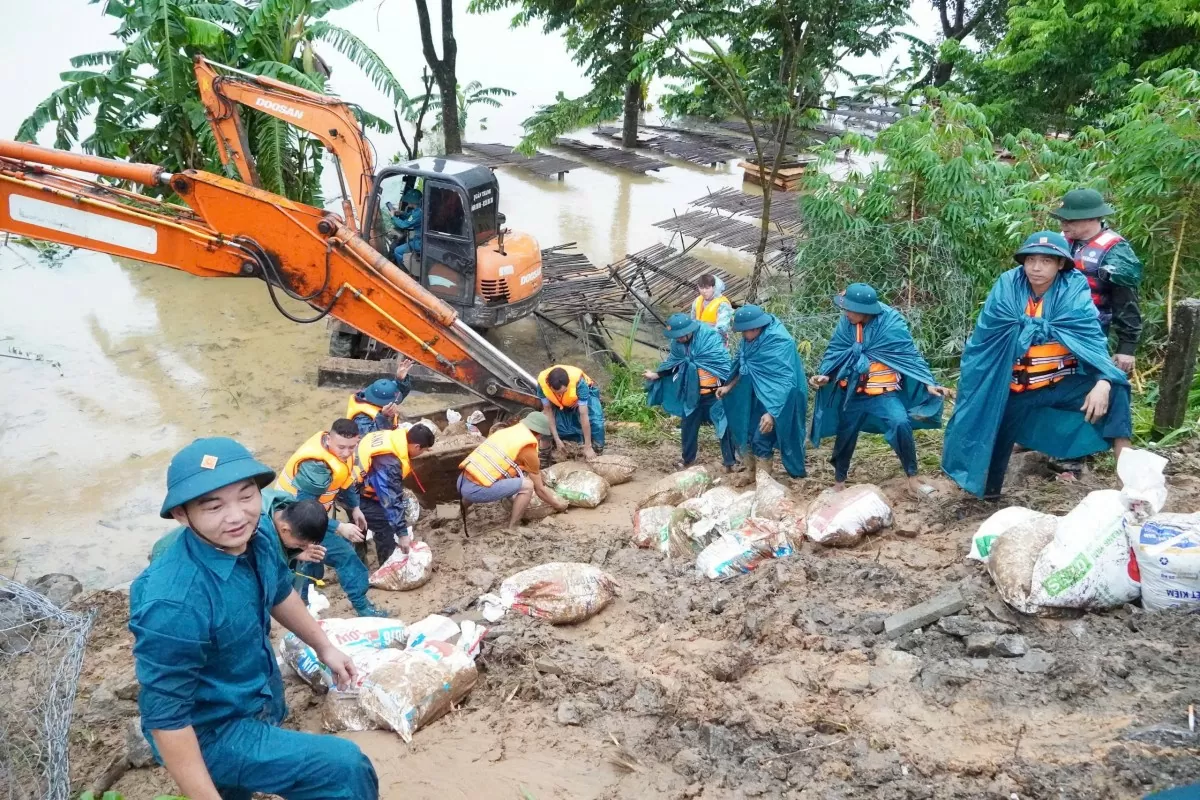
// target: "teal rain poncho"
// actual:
[[771, 372], [885, 339], [678, 390], [1002, 334]]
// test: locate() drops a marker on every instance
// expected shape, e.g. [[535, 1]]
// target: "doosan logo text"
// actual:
[[294, 113]]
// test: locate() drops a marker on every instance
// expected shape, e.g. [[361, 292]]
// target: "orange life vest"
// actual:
[[356, 407], [496, 458], [314, 450], [1043, 364], [393, 443], [708, 381], [879, 379], [569, 398], [707, 312]]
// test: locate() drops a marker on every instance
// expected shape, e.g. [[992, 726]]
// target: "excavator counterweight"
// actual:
[[229, 229]]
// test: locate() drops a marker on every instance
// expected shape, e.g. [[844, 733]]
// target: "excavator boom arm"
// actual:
[[229, 229], [329, 119]]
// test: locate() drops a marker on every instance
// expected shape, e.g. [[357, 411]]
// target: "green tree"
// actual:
[[770, 63], [1064, 64], [604, 36], [143, 99]]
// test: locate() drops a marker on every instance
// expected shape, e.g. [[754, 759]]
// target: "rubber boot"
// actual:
[[367, 609]]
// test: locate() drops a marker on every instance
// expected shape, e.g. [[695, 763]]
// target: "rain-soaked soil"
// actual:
[[775, 684]]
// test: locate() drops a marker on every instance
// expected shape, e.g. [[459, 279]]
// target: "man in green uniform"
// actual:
[[211, 697], [1109, 263]]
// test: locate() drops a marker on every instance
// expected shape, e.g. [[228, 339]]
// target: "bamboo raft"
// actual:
[[735, 144], [579, 299], [711, 227], [785, 210], [621, 159], [542, 164], [706, 155]]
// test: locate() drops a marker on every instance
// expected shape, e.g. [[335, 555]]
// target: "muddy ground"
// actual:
[[777, 684]]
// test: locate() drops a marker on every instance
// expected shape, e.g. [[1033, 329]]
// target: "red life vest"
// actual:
[[878, 379], [1089, 256], [1043, 364]]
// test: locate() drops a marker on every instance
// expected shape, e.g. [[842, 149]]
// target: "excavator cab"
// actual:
[[467, 259]]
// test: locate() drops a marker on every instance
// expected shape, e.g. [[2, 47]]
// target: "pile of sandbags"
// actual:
[[581, 484], [1087, 559], [727, 532], [404, 689], [361, 638], [559, 592]]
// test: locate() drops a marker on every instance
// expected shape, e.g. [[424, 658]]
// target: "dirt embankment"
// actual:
[[777, 684]]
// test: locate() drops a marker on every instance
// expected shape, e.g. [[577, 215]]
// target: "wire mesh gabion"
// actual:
[[41, 654], [910, 266]]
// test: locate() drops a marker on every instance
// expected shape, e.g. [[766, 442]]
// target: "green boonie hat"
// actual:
[[382, 392], [537, 422], [1083, 204], [680, 325], [206, 465], [1044, 243], [861, 298], [747, 318]]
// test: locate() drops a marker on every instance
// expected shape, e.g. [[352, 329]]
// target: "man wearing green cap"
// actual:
[[873, 379], [211, 696], [686, 383], [1113, 271], [1035, 372], [765, 400], [377, 407], [508, 464]]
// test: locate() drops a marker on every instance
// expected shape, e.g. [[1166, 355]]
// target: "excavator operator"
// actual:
[[408, 224]]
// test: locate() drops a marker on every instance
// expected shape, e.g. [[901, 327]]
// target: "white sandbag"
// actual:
[[1089, 564], [1012, 558], [842, 519], [558, 592], [651, 525], [419, 687], [1003, 520], [317, 603], [554, 473], [582, 489], [1167, 547], [405, 571], [721, 510], [771, 499], [357, 637], [740, 551], [615, 469], [677, 487], [341, 710], [437, 628], [412, 507]]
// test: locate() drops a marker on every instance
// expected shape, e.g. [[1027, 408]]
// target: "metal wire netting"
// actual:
[[908, 264], [41, 653]]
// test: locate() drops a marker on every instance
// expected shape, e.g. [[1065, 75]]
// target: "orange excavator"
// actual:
[[489, 275], [228, 229], [472, 273]]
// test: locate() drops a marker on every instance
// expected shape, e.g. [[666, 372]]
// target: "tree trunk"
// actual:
[[448, 87], [444, 70], [633, 102], [942, 72]]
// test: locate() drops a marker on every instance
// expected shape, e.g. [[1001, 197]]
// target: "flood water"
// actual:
[[150, 358]]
